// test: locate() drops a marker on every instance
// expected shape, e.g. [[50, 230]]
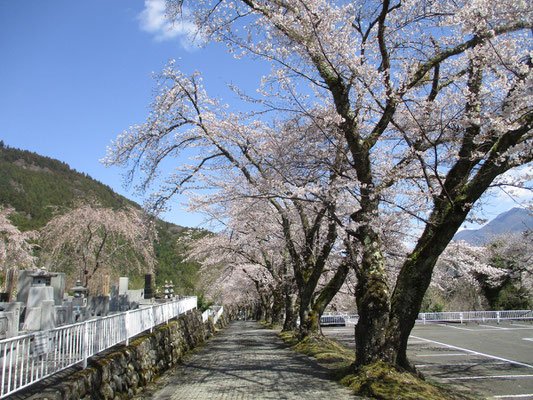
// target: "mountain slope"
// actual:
[[513, 221], [39, 188]]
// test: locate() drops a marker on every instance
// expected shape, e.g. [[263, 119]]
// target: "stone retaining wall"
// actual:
[[123, 370]]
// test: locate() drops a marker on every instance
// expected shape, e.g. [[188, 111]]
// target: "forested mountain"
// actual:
[[40, 188], [515, 220]]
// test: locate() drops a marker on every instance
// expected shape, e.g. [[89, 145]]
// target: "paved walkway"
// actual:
[[246, 361]]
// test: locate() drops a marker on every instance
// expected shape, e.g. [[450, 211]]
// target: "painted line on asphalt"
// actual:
[[473, 378], [495, 328], [513, 396], [475, 352], [456, 327], [499, 328], [528, 339], [460, 364], [527, 326], [443, 355]]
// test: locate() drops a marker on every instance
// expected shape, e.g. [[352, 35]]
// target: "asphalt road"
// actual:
[[488, 360]]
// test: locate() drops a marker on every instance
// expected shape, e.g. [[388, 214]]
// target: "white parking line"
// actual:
[[500, 328], [495, 327], [527, 326], [528, 339], [443, 355], [472, 378], [514, 396], [475, 352], [472, 364], [456, 327]]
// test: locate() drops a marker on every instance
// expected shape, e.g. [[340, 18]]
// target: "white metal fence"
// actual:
[[476, 316], [218, 313], [215, 312], [27, 359], [454, 316]]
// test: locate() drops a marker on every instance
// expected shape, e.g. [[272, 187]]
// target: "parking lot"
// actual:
[[488, 360]]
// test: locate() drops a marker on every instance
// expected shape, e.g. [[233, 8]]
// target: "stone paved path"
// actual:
[[246, 361]]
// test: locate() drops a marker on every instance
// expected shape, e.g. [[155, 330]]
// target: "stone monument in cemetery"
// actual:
[[42, 303], [41, 291], [38, 278], [148, 286]]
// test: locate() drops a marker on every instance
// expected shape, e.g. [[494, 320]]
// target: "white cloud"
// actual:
[[153, 19]]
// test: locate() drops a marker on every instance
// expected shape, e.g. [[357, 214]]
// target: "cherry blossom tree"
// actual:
[[512, 254], [485, 271], [92, 241], [16, 248], [460, 274], [254, 239], [298, 178], [420, 106]]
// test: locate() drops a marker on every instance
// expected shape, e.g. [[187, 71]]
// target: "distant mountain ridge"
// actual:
[[515, 220]]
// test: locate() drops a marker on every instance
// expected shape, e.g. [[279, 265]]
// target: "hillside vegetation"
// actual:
[[40, 188]]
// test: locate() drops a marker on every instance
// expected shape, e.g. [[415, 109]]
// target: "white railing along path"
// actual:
[[29, 358], [215, 312], [476, 316]]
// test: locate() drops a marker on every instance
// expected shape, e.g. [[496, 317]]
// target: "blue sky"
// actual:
[[74, 74]]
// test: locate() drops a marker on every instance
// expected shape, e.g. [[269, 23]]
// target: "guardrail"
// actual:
[[483, 316], [218, 313], [329, 319], [30, 358], [215, 312], [206, 314], [336, 319]]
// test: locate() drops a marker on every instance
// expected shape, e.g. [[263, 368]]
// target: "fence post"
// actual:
[[498, 316], [461, 317], [152, 319], [126, 326], [85, 349]]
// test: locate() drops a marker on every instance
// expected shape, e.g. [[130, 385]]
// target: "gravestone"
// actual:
[[29, 278], [32, 320], [48, 315], [98, 305], [64, 314], [38, 294], [148, 286], [8, 324], [14, 307], [123, 284]]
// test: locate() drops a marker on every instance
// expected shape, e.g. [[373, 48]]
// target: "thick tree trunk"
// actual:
[[415, 277], [385, 325], [373, 304], [277, 307], [290, 315], [309, 319]]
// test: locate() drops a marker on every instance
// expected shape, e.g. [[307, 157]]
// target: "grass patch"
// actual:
[[378, 380], [269, 325], [383, 381]]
